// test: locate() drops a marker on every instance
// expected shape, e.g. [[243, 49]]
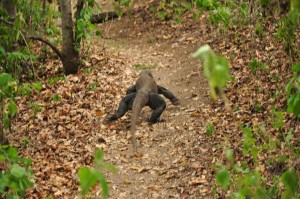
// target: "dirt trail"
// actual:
[[176, 158]]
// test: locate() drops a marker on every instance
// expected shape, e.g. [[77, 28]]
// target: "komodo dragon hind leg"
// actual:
[[158, 105]]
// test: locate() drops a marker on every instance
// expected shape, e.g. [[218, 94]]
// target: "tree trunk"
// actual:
[[70, 55], [43, 14], [3, 139], [10, 7]]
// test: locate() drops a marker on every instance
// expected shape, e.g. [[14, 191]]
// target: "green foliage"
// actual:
[[223, 178], [144, 66], [220, 14], [9, 35], [250, 185], [244, 10], [293, 92], [216, 70], [225, 14], [35, 108], [265, 2], [38, 17], [15, 178], [8, 106], [7, 85], [37, 86], [290, 180], [244, 181], [12, 108], [88, 177], [119, 5], [249, 143], [56, 97], [277, 118], [26, 141], [258, 107], [54, 80], [87, 70], [229, 157], [210, 128], [83, 25], [92, 86], [16, 60], [25, 8], [257, 65], [287, 30], [28, 88], [206, 4], [172, 10], [13, 62], [259, 31]]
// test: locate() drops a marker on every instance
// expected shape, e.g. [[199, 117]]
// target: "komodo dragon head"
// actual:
[[146, 72]]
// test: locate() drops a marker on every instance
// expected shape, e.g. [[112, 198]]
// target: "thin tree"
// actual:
[[69, 54]]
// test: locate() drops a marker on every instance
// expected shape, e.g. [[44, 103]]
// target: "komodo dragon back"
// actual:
[[144, 86]]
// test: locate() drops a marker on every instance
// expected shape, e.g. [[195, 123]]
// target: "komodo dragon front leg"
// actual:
[[155, 102]]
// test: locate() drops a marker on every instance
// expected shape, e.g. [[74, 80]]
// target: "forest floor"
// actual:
[[178, 155]]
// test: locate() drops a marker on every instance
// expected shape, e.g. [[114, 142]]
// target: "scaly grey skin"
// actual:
[[144, 93]]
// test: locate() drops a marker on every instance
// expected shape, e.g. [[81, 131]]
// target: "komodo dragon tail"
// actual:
[[140, 101]]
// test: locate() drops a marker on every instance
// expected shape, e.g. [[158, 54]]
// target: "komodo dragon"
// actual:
[[145, 92]]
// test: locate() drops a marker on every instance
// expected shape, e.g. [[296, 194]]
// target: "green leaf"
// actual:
[[290, 101], [98, 33], [290, 85], [110, 167], [296, 67], [99, 157], [254, 180], [6, 120], [56, 97], [294, 104], [215, 68], [5, 79], [37, 86], [223, 178], [254, 151], [241, 170], [27, 162], [17, 171], [12, 152], [229, 154], [92, 26], [2, 51], [202, 51], [87, 179], [12, 108], [104, 185], [291, 181], [2, 157], [288, 137], [210, 129]]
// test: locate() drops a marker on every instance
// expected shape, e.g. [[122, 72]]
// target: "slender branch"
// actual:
[[103, 17], [54, 48], [8, 23], [32, 68]]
